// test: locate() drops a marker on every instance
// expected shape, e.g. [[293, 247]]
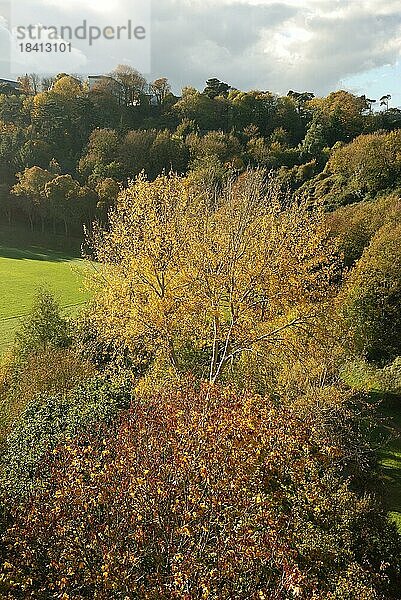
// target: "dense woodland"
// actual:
[[197, 431], [65, 151]]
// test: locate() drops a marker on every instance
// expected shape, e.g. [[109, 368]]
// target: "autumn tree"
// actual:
[[370, 163], [31, 190], [223, 274], [372, 298], [207, 113], [160, 88], [356, 224], [341, 114], [62, 193], [24, 83], [132, 82], [198, 494], [225, 147], [63, 117], [68, 87]]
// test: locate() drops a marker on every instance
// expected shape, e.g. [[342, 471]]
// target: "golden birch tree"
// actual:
[[224, 273]]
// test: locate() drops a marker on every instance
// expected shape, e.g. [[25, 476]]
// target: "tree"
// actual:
[[136, 150], [356, 224], [68, 87], [31, 189], [62, 193], [47, 83], [342, 115], [52, 122], [107, 191], [168, 153], [384, 101], [370, 163], [35, 82], [301, 101], [372, 298], [215, 87], [369, 102], [36, 153], [272, 155], [106, 96], [207, 113], [44, 328], [224, 146], [301, 98], [103, 150], [196, 494], [160, 88], [12, 139], [223, 274], [132, 83], [6, 203], [314, 141], [86, 209], [24, 83], [41, 360]]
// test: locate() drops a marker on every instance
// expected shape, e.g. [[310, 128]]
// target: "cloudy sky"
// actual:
[[314, 45]]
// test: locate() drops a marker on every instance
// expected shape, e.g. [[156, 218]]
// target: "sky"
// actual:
[[304, 45]]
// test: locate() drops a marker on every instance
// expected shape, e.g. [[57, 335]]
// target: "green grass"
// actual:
[[384, 386], [30, 261], [390, 459]]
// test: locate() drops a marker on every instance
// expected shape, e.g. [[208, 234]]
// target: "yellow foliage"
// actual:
[[224, 275]]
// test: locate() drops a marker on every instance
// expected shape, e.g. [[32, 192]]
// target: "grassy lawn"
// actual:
[[28, 262], [378, 385], [390, 461]]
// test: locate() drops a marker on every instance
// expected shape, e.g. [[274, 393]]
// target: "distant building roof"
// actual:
[[10, 82], [100, 77], [95, 79]]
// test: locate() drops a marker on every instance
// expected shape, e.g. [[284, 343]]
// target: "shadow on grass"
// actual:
[[37, 253], [392, 481], [390, 451], [21, 244]]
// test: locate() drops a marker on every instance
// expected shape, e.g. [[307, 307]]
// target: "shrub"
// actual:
[[355, 225], [45, 327], [48, 419], [42, 361], [370, 163], [52, 371], [196, 495], [372, 298]]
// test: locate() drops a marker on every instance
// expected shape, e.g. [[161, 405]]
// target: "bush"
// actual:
[[370, 163], [44, 328], [48, 419], [42, 361], [52, 371], [371, 302], [355, 225], [196, 495]]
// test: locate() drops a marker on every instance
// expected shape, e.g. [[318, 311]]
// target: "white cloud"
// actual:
[[267, 44], [310, 44]]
